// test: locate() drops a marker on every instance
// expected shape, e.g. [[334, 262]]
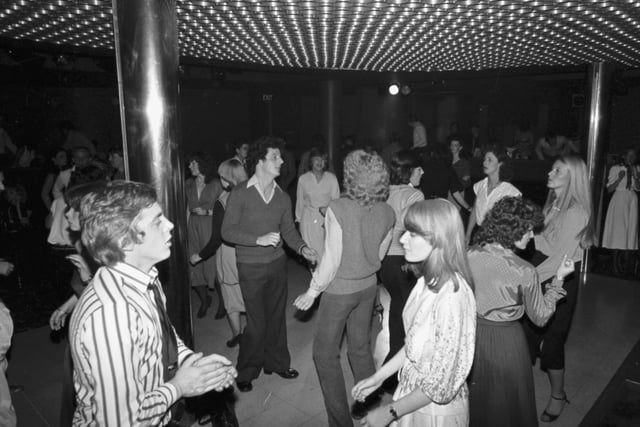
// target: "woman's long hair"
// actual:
[[439, 222], [576, 193]]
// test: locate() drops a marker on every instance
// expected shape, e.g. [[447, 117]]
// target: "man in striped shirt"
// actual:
[[130, 366]]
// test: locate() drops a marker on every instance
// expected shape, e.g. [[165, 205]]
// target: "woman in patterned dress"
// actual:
[[440, 319]]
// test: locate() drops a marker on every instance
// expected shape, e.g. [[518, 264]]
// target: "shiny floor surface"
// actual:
[[605, 328]]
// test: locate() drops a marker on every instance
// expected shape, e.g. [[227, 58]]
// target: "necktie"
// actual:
[[169, 343]]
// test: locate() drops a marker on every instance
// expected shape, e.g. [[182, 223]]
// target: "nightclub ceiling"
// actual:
[[369, 35]]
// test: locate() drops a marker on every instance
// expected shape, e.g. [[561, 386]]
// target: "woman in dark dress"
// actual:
[[506, 287]]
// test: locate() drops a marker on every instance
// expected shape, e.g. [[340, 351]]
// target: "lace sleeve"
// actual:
[[444, 370]]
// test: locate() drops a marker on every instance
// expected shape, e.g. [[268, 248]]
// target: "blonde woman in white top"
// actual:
[[496, 166]]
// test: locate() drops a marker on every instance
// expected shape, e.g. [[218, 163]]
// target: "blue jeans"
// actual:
[[353, 311]]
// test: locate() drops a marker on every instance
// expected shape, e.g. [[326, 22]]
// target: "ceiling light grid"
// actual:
[[374, 35]]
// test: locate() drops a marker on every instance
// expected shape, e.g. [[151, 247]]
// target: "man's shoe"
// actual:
[[244, 386], [288, 374], [359, 410]]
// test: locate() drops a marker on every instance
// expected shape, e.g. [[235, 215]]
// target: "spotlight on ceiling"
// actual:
[[394, 89], [405, 90]]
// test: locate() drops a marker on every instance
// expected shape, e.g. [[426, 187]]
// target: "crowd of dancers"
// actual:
[[467, 318]]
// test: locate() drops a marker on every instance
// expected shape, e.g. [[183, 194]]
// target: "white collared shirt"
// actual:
[[253, 182]]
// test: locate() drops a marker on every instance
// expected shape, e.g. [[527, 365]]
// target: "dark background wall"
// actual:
[[218, 108]]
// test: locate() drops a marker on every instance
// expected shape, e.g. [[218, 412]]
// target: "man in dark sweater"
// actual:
[[257, 218]]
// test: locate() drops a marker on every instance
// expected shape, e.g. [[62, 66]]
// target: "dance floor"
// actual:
[[606, 327]]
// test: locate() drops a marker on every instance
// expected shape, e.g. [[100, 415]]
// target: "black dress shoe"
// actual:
[[288, 374], [244, 386]]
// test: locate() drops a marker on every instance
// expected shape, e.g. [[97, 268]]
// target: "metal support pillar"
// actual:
[[330, 97], [146, 41], [599, 86]]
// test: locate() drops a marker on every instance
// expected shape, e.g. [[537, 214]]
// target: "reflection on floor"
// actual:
[[606, 326]]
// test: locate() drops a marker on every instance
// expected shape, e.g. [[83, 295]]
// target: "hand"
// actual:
[[6, 268], [310, 254], [379, 417], [195, 258], [566, 267], [269, 239], [621, 175], [57, 319], [365, 387], [304, 301], [81, 265], [218, 360], [198, 375], [199, 211]]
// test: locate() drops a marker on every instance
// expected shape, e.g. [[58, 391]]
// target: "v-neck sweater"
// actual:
[[248, 217]]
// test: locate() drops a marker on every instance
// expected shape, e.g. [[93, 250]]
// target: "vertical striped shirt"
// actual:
[[116, 345]]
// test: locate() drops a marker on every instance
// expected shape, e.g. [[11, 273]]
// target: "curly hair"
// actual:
[[508, 221], [108, 218], [506, 165], [366, 178], [206, 164], [402, 165], [259, 149]]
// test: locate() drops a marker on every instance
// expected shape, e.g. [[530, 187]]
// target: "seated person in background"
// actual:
[[116, 160], [524, 141], [552, 146]]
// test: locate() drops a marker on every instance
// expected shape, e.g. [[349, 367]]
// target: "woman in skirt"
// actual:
[[501, 389]]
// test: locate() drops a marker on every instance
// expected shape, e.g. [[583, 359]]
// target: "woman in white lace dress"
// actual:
[[440, 321]]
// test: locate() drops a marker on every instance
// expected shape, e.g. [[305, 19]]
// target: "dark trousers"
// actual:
[[68, 396], [399, 285], [264, 341], [353, 311], [548, 342]]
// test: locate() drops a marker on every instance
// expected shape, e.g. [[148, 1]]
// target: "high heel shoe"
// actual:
[[547, 417]]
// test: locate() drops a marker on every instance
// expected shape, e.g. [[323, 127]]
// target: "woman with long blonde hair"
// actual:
[[440, 320], [568, 231]]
